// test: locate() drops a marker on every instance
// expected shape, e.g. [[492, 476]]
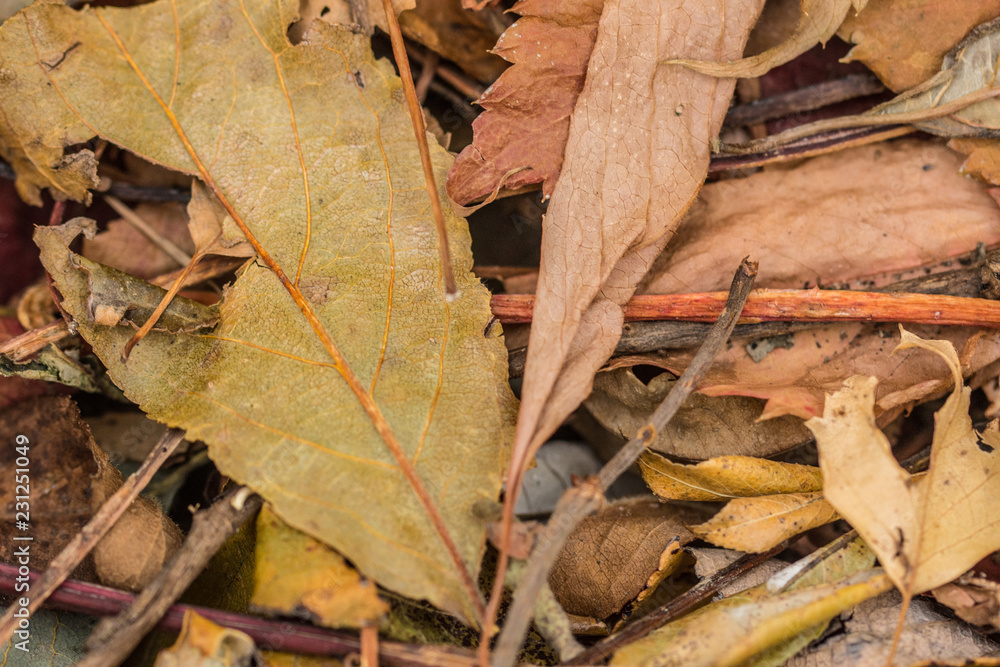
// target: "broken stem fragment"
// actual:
[[417, 116]]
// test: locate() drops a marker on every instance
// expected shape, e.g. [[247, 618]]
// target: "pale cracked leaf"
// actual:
[[636, 157], [310, 380], [925, 530]]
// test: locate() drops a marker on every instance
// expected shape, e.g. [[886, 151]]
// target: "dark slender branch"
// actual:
[[115, 638], [804, 99], [269, 634], [587, 497]]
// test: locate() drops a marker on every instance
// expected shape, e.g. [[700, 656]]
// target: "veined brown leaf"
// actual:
[[340, 383]]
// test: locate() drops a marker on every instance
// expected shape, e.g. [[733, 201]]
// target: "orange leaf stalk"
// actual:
[[790, 305]]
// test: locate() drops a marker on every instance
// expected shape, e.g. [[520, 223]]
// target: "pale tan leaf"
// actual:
[[726, 477], [925, 531], [904, 41], [818, 22], [636, 157], [757, 524], [858, 215], [121, 246]]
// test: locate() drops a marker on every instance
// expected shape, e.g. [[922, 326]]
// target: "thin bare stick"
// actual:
[[417, 117], [158, 239], [861, 120], [369, 646], [116, 637], [812, 305], [88, 537], [588, 496], [427, 73]]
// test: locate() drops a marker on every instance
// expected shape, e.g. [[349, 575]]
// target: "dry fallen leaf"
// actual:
[[121, 246], [974, 599], [202, 643], [926, 531], [818, 22], [757, 524], [969, 69], [339, 379], [904, 41], [983, 161], [739, 629], [704, 427], [726, 477], [801, 369], [636, 157], [521, 135], [882, 208], [295, 575], [617, 554]]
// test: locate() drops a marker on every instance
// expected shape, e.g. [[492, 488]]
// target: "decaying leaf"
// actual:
[[636, 157], [612, 557], [929, 635], [832, 219], [121, 246], [202, 643], [983, 161], [57, 639], [795, 376], [726, 477], [818, 23], [295, 574], [739, 629], [704, 427], [212, 228], [969, 69], [904, 41], [339, 378], [974, 599], [757, 524], [926, 531], [16, 384], [72, 477], [520, 137]]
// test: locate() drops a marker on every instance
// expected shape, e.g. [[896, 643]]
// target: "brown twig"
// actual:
[[115, 638], [427, 73], [417, 117], [812, 305], [458, 81], [270, 634], [588, 496], [676, 607], [804, 99], [88, 537]]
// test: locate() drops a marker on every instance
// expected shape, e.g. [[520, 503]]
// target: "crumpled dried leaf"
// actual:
[[526, 112], [834, 218], [636, 157], [983, 161], [796, 376], [704, 426], [616, 554], [926, 531], [970, 68], [414, 385], [974, 599], [78, 477], [757, 524], [202, 643], [17, 382], [866, 636], [818, 23], [121, 246], [295, 574], [904, 41], [737, 630], [212, 228], [726, 477]]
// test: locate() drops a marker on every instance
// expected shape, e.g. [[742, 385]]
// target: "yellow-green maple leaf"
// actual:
[[340, 383]]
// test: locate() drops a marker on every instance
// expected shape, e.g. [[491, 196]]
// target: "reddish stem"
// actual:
[[790, 305]]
